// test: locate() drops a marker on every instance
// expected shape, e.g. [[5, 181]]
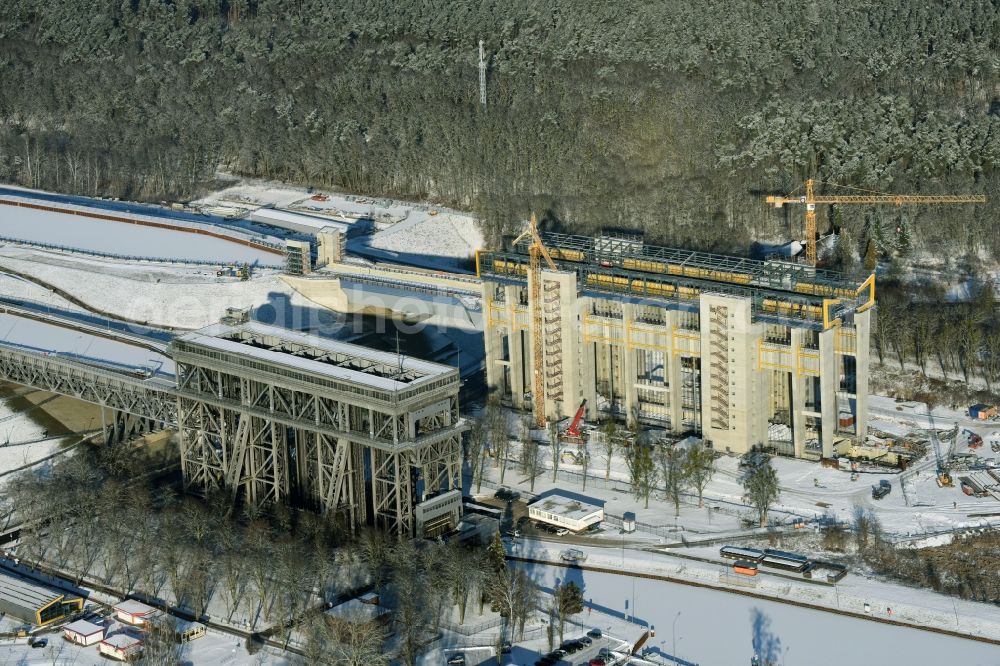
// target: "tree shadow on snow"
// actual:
[[766, 644]]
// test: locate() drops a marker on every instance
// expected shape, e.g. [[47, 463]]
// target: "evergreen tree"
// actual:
[[569, 602], [871, 256]]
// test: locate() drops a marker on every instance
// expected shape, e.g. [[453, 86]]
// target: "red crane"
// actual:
[[573, 430]]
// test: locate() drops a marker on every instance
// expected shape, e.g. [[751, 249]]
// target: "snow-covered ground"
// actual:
[[160, 294], [16, 430], [119, 238], [713, 628], [16, 287], [808, 491], [409, 233]]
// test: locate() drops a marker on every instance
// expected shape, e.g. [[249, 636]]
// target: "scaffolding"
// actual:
[[719, 363], [552, 330]]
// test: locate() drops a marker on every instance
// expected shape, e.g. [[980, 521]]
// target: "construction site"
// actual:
[[742, 352]]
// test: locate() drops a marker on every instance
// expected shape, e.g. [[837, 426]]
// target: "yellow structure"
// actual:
[[743, 352]]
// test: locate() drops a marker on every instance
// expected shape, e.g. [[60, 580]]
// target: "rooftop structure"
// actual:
[[83, 632], [308, 224], [121, 647], [369, 434], [627, 266], [135, 612], [562, 511], [291, 355]]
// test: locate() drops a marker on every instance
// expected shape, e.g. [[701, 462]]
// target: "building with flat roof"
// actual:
[[283, 416], [310, 224], [723, 346], [570, 513], [121, 647], [82, 632], [34, 602], [134, 612]]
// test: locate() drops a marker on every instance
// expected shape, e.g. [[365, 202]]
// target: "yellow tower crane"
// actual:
[[536, 251], [867, 197]]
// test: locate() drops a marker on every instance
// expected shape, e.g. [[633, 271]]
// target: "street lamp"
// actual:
[[673, 630]]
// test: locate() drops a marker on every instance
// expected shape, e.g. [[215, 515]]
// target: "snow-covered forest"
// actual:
[[673, 117]]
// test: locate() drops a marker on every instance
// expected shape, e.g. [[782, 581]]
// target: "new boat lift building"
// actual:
[[722, 346]]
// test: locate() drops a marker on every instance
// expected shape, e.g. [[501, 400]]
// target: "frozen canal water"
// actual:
[[123, 239], [722, 629]]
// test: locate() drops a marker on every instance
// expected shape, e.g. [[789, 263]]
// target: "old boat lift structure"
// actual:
[[265, 413]]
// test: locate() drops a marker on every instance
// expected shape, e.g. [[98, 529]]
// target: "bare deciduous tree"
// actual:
[[672, 460], [642, 470], [700, 467]]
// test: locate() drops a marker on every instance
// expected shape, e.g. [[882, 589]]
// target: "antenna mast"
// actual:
[[482, 76]]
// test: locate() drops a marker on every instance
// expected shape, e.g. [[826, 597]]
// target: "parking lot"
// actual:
[[575, 650]]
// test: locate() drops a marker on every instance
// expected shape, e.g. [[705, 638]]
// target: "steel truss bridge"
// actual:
[[265, 414]]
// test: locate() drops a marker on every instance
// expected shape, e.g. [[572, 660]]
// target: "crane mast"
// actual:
[[869, 198], [536, 252]]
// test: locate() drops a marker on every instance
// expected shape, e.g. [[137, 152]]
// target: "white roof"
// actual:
[[83, 628], [565, 506], [134, 607], [225, 338], [296, 221], [121, 641]]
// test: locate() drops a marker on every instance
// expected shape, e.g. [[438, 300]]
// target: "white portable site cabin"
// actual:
[[121, 647], [134, 612], [82, 632]]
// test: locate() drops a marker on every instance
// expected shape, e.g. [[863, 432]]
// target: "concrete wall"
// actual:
[[602, 338]]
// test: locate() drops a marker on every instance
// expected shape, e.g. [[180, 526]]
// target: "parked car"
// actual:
[[504, 493], [595, 633], [597, 661], [573, 555], [562, 531], [605, 653], [557, 654], [547, 660], [571, 647], [457, 659], [585, 640], [39, 642]]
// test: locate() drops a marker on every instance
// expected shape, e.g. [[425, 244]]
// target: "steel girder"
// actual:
[[106, 388]]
